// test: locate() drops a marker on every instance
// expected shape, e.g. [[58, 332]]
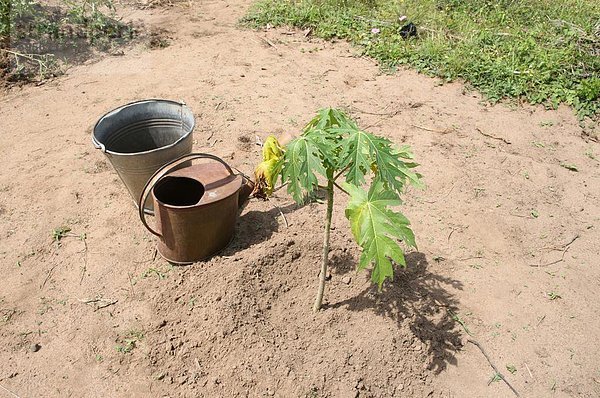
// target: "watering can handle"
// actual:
[[160, 173]]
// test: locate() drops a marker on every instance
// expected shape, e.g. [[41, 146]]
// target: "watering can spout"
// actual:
[[245, 191]]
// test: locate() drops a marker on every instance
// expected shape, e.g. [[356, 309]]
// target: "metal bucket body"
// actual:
[[196, 208], [140, 137]]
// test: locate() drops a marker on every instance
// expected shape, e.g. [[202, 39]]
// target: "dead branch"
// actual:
[[564, 249], [469, 258], [99, 302], [493, 137], [10, 392], [476, 343], [268, 42], [85, 249], [445, 131]]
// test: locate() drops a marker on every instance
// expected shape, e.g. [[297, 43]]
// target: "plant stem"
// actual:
[[325, 259]]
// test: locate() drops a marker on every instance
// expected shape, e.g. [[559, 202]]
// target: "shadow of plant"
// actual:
[[419, 299], [342, 262]]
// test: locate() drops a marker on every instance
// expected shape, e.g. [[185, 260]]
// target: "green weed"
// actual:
[[129, 342], [153, 271], [569, 166], [553, 295], [543, 51], [59, 233], [36, 38]]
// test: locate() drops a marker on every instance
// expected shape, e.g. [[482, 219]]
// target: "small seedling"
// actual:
[[547, 123], [534, 213], [153, 271], [59, 233], [591, 155], [495, 378], [553, 295], [130, 342], [511, 368], [569, 166], [7, 314], [459, 320]]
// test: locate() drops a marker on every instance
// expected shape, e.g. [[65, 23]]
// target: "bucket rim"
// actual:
[[101, 146]]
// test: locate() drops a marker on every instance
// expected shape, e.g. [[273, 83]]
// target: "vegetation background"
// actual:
[[543, 51]]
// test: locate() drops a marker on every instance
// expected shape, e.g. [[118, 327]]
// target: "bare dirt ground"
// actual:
[[508, 238]]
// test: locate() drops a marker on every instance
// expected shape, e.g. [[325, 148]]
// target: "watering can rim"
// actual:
[[208, 202], [100, 146], [164, 170]]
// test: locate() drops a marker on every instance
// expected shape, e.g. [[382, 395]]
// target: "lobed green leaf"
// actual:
[[301, 162], [362, 152], [377, 229]]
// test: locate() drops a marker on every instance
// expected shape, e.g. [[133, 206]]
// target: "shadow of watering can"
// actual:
[[196, 207]]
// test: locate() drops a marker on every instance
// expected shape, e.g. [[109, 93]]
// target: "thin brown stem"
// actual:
[[325, 259], [340, 173], [340, 188]]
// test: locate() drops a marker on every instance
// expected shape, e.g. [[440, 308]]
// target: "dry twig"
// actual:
[[476, 343], [8, 391], [564, 249], [103, 302], [445, 131], [493, 137]]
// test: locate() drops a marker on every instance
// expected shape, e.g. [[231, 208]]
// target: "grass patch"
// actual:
[[37, 39], [542, 51]]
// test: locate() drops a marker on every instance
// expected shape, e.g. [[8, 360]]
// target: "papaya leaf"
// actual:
[[329, 118], [301, 161], [377, 229], [361, 152]]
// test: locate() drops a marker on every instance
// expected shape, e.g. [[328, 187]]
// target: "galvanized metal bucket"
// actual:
[[141, 137]]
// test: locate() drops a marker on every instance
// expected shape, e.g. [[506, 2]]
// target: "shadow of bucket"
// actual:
[[141, 137]]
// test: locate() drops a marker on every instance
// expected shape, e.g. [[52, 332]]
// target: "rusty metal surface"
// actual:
[[194, 232]]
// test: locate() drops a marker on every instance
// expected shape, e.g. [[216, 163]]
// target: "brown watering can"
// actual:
[[196, 207]]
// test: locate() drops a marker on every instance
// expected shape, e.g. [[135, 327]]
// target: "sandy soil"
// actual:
[[508, 238]]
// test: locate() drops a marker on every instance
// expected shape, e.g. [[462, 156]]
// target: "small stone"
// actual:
[[161, 324], [35, 347], [400, 387], [347, 280], [328, 276]]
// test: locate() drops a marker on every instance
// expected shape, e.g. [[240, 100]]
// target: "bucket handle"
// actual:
[[160, 173], [98, 145]]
